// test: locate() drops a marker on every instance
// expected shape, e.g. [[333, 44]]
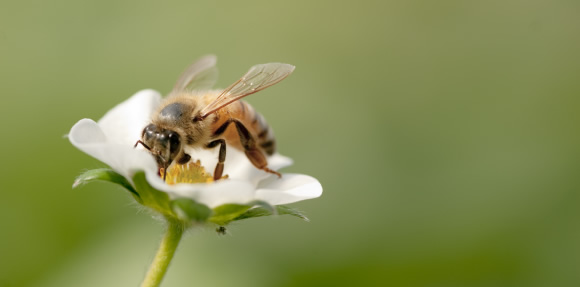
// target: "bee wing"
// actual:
[[256, 79], [201, 75]]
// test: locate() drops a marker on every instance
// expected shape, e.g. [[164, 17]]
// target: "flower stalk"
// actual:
[[164, 254]]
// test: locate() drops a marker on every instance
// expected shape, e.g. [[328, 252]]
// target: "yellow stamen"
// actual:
[[191, 172]]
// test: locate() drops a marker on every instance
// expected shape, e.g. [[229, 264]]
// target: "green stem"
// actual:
[[164, 254]]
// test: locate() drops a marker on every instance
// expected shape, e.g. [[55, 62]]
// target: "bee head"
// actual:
[[164, 144]]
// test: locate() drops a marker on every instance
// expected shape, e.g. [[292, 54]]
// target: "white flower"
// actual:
[[111, 141]]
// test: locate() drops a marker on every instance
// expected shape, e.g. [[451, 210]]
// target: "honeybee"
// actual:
[[195, 116]]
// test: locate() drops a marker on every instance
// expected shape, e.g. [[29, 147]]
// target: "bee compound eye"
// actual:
[[173, 138], [149, 131], [174, 141]]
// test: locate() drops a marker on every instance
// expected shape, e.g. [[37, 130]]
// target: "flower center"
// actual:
[[191, 172]]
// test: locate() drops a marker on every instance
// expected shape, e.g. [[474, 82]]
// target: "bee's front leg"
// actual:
[[219, 168], [184, 159]]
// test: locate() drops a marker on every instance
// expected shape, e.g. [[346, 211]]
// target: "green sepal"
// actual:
[[224, 214], [260, 211], [188, 210], [227, 213], [263, 205], [152, 197], [105, 174]]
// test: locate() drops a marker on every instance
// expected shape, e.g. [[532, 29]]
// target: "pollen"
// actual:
[[191, 172]]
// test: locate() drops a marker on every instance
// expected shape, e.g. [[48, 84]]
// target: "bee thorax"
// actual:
[[173, 113]]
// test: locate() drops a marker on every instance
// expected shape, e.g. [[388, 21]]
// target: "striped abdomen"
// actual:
[[252, 120]]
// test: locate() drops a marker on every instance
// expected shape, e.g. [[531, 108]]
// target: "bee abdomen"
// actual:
[[267, 141], [263, 132]]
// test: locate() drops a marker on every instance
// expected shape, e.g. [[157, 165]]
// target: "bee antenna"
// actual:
[[142, 143]]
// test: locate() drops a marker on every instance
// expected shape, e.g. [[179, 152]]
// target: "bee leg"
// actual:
[[255, 155], [219, 168], [184, 159]]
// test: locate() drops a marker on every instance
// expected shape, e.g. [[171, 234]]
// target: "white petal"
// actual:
[[88, 136], [244, 169], [278, 161], [288, 189], [210, 194], [124, 123]]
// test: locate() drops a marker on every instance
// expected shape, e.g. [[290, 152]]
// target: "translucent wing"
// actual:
[[201, 75], [256, 79]]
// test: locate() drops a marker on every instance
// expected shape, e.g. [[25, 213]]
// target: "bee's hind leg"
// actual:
[[258, 159], [255, 155]]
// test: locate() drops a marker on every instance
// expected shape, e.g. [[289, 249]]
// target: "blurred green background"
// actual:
[[445, 135]]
